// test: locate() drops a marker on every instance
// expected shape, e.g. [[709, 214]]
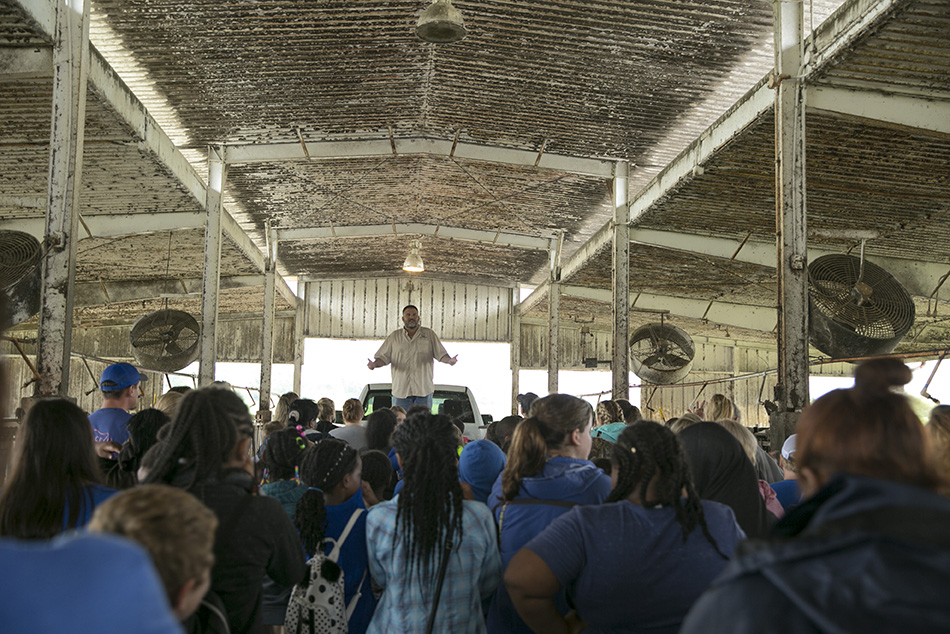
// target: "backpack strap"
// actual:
[[334, 555]]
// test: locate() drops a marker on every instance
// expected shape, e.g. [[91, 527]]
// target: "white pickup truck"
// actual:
[[455, 400]]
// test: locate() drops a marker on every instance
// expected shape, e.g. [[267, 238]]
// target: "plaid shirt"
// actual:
[[473, 572]]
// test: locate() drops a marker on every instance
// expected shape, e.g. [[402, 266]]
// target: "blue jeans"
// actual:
[[405, 403]]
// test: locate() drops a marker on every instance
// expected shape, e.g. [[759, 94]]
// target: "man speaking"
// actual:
[[411, 350]]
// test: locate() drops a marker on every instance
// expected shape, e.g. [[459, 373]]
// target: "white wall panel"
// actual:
[[370, 309]]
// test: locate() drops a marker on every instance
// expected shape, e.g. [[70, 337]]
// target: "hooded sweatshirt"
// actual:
[[564, 481], [862, 555]]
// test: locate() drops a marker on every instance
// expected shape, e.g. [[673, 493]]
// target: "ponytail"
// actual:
[[527, 455], [553, 418], [322, 468]]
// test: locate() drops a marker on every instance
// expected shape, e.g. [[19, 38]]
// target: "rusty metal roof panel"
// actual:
[[861, 175], [406, 189], [444, 259], [909, 53]]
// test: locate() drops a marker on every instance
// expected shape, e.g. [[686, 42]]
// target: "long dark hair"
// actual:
[[322, 467], [429, 508], [379, 429], [282, 453], [56, 459], [553, 418], [201, 439], [143, 433], [649, 452]]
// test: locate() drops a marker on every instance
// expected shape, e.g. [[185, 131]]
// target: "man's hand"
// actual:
[[372, 364], [452, 360], [107, 448]]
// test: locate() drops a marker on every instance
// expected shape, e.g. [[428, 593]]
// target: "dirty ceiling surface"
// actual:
[[681, 274], [449, 259], [417, 189], [860, 175], [616, 80]]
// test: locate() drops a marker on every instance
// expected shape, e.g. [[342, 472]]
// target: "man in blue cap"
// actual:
[[120, 393]]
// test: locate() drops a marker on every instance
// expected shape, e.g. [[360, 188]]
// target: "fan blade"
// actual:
[[676, 360], [149, 339], [653, 359], [172, 348]]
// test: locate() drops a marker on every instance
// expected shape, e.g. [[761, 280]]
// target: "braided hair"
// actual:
[[322, 468], [197, 445], [282, 454], [429, 508], [651, 462]]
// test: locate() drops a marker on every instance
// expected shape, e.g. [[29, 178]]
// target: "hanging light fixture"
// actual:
[[441, 23], [413, 263]]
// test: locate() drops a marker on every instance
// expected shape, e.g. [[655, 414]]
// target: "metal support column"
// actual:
[[554, 307], [267, 330], [217, 175], [70, 68], [790, 205], [515, 354], [299, 321], [620, 274]]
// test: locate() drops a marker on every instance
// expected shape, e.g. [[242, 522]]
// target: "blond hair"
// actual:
[[352, 410], [742, 434], [174, 527], [169, 403], [720, 406]]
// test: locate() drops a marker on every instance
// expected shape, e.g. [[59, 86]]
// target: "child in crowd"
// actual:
[[333, 500], [177, 531], [480, 464], [281, 459], [867, 549], [635, 563], [434, 553], [722, 472], [54, 485], [378, 474], [547, 473], [207, 452]]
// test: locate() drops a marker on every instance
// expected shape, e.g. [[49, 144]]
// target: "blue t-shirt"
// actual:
[[110, 423], [788, 493], [82, 584], [93, 496], [626, 567], [353, 558], [563, 479]]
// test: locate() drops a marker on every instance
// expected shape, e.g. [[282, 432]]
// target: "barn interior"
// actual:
[[266, 166]]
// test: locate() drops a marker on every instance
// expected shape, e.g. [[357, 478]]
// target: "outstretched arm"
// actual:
[[450, 360], [375, 363]]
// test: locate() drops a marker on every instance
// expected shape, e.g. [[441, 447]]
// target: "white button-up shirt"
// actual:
[[411, 360]]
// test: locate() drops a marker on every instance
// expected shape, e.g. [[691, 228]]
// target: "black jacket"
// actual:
[[254, 537], [863, 555]]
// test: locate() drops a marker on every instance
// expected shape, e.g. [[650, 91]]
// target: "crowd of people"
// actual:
[[569, 518]]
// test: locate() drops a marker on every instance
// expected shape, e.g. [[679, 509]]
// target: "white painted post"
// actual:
[[515, 353], [554, 307], [299, 321], [214, 204], [790, 206], [554, 318], [267, 329], [70, 68], [620, 272]]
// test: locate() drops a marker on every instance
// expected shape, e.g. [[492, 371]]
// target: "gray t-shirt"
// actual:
[[355, 436]]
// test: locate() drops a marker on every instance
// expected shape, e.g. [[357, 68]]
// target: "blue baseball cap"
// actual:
[[119, 376]]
